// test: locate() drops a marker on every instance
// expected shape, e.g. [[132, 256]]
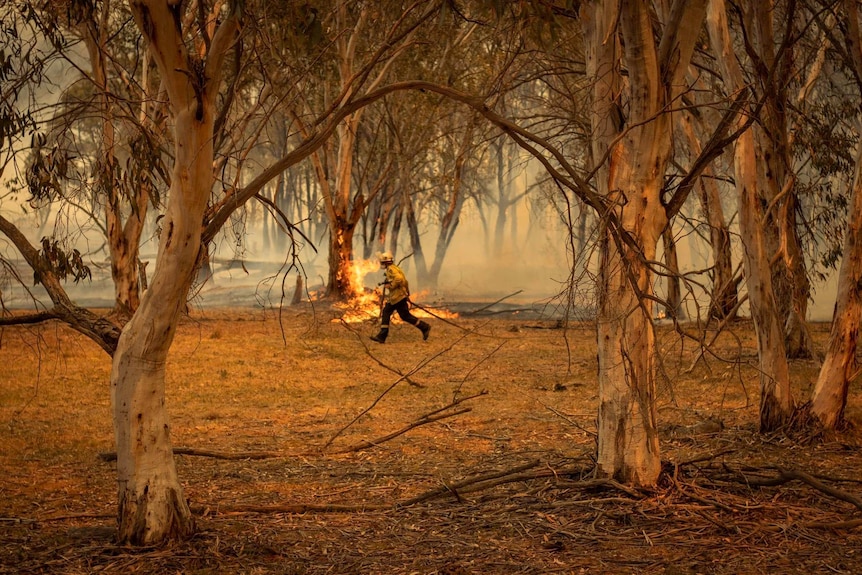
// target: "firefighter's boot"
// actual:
[[381, 335], [424, 328]]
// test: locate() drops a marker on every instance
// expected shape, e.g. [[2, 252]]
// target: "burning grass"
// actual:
[[501, 486], [364, 304]]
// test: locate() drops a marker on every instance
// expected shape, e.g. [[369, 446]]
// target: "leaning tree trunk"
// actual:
[[152, 506], [829, 397]]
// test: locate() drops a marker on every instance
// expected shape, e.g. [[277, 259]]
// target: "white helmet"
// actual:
[[385, 257]]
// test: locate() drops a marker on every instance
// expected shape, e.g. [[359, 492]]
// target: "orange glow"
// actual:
[[365, 303]]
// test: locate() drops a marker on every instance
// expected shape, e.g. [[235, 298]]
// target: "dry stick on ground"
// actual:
[[474, 368], [791, 474], [566, 418], [348, 508], [788, 475], [372, 356], [850, 524], [418, 367], [429, 417], [366, 444], [698, 498], [235, 456], [470, 484], [483, 308]]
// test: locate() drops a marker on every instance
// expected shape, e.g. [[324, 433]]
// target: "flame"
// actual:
[[365, 303], [437, 312]]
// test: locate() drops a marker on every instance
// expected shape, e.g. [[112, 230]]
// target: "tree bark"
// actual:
[[724, 296], [671, 261], [829, 397], [776, 404], [638, 148], [123, 237], [152, 506], [777, 190]]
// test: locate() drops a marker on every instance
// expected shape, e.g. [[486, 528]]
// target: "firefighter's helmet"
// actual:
[[385, 258]]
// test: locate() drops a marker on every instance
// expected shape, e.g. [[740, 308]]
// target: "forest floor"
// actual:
[[280, 423]]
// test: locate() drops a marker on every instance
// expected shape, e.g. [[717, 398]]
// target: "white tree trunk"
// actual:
[[152, 506]]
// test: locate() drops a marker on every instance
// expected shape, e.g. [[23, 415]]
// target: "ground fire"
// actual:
[[365, 303]]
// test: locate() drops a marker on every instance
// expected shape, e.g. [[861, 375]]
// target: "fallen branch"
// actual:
[[490, 305], [850, 524], [454, 488], [376, 360], [415, 369], [297, 509], [235, 456], [430, 417], [367, 444], [788, 475], [603, 482]]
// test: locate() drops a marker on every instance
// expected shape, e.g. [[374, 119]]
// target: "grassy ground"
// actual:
[[507, 484]]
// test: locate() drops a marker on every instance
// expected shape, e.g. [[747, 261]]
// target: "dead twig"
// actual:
[[425, 419], [791, 474], [465, 483], [415, 369], [376, 359], [490, 305], [850, 524]]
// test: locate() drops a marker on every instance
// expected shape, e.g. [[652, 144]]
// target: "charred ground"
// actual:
[[282, 421]]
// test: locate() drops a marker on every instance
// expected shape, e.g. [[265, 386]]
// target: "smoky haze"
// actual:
[[530, 269]]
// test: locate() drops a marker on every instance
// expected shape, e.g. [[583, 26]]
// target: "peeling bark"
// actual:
[[829, 397], [776, 403], [637, 148]]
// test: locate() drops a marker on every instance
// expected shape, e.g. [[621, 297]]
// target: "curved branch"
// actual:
[[100, 329]]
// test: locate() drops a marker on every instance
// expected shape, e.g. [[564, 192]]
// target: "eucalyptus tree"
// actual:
[[360, 44], [196, 55], [636, 64], [410, 121], [99, 150], [772, 30], [451, 181], [768, 169], [631, 147], [776, 403], [840, 22]]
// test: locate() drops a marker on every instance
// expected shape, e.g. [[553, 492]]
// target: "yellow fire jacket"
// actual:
[[396, 282]]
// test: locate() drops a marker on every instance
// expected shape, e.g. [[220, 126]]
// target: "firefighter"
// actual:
[[397, 300]]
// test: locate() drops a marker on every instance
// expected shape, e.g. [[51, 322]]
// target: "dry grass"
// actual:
[[243, 381]]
